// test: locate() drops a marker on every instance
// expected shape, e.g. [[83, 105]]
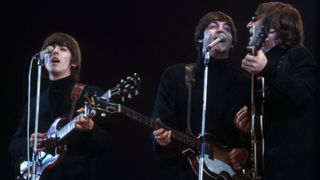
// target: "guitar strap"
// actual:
[[75, 94], [190, 82]]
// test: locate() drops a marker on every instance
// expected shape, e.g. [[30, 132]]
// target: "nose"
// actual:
[[220, 29], [249, 24], [55, 50]]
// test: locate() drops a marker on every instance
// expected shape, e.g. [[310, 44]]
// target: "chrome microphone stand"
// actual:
[[35, 154], [204, 108]]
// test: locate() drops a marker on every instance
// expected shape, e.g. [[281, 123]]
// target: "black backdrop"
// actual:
[[117, 38]]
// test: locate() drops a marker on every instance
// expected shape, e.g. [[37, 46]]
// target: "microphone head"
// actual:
[[222, 37], [49, 49]]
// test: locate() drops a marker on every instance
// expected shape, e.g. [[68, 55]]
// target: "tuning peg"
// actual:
[[136, 92], [122, 99], [129, 96]]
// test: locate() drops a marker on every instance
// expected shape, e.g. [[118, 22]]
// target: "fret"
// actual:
[[186, 139], [66, 129]]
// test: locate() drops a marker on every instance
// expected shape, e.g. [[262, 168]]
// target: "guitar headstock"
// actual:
[[260, 32], [126, 88]]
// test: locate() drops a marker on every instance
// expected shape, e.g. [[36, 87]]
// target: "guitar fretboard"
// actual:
[[65, 130], [151, 123]]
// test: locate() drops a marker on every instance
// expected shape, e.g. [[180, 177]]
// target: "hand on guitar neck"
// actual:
[[162, 136], [83, 123], [254, 64]]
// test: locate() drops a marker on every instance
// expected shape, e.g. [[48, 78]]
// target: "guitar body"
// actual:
[[55, 151], [216, 161], [56, 147]]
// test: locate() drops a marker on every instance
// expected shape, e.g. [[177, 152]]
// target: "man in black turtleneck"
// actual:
[[228, 89], [292, 88], [87, 144]]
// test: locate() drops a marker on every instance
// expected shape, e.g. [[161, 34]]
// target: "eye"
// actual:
[[64, 48], [254, 18], [227, 28], [212, 26]]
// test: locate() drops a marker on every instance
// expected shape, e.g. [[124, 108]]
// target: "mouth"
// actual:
[[55, 60], [250, 33]]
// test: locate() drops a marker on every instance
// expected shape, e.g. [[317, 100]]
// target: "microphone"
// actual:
[[40, 55], [220, 38]]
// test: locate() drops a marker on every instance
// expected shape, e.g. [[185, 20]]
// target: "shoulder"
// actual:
[[299, 52], [176, 68], [174, 71], [296, 50], [300, 57]]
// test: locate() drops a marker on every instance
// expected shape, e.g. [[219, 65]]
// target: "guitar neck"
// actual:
[[65, 130], [151, 123], [106, 95]]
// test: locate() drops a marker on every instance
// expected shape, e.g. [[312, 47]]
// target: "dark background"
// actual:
[[117, 38]]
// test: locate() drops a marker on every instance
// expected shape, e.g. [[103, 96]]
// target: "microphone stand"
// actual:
[[204, 108], [35, 154]]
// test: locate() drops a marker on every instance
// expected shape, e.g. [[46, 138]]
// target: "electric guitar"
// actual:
[[61, 128], [257, 105], [216, 162]]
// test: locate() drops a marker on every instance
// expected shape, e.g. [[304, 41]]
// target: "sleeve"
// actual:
[[98, 137], [294, 81], [241, 96], [164, 106], [18, 142]]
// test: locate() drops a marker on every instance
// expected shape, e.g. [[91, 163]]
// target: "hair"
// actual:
[[285, 19], [63, 39], [206, 20]]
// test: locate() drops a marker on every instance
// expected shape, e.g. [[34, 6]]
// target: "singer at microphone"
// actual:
[[41, 54], [182, 101], [220, 38]]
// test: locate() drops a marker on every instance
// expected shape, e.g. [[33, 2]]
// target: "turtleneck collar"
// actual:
[[59, 95], [214, 62], [61, 84]]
